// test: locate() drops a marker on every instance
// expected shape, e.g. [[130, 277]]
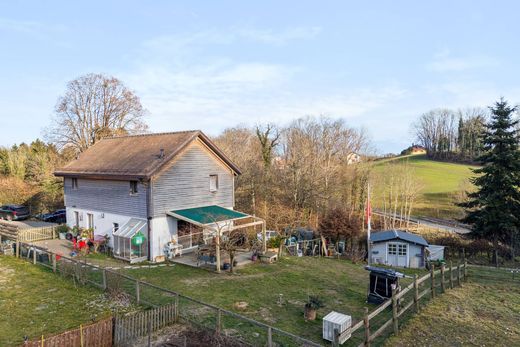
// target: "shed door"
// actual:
[[397, 254]]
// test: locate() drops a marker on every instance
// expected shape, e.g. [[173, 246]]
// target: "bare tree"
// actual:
[[95, 106]]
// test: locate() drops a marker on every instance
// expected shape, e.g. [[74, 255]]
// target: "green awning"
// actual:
[[207, 214]]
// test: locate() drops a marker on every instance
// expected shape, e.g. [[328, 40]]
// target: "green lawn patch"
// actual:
[[474, 315], [341, 284], [440, 181], [35, 302]]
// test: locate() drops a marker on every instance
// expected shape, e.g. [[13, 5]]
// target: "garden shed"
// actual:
[[398, 248], [131, 241]]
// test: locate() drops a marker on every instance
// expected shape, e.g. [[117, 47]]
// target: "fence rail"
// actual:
[[162, 303], [97, 334]]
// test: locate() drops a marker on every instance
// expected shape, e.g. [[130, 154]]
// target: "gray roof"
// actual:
[[387, 235]]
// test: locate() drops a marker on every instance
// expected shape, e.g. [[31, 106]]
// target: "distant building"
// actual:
[[398, 248], [353, 158], [414, 149]]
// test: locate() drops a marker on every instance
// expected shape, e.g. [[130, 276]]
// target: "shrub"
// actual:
[[62, 228], [314, 302], [274, 242]]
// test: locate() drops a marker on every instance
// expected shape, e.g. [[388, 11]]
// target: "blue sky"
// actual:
[[215, 64]]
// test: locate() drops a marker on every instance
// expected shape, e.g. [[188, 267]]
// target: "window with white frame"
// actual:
[[392, 249], [115, 227], [402, 250], [213, 183]]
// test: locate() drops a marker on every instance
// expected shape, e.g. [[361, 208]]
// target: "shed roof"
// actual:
[[387, 235], [132, 227], [136, 156]]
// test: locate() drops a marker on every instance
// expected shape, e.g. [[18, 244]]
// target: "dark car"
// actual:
[[14, 212], [59, 216]]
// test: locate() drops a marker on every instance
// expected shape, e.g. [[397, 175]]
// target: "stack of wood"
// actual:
[[8, 230]]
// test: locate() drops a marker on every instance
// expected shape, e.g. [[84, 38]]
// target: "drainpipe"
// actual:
[[149, 217]]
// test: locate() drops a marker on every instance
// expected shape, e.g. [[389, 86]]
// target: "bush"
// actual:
[[63, 228], [274, 242]]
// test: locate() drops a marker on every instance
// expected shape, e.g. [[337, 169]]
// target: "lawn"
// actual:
[[474, 315], [35, 302], [341, 284], [440, 183]]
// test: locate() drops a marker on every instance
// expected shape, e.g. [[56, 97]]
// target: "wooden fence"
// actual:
[[441, 279], [97, 334], [129, 327], [14, 232]]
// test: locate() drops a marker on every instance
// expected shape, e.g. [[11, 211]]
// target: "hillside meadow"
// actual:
[[441, 184]]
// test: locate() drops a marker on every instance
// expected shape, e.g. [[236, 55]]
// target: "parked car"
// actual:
[[58, 216], [268, 235], [14, 212]]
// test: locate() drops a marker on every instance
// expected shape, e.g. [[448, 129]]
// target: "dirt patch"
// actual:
[[6, 273]]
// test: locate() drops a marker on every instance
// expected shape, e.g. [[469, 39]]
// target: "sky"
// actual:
[[211, 65]]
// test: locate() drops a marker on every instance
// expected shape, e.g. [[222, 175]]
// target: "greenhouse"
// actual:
[[131, 241]]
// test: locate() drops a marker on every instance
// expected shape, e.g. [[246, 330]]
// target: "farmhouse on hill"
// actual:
[[398, 248], [146, 192]]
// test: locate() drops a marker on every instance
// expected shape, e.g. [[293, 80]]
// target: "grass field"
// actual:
[[474, 315], [341, 284], [440, 182], [34, 301]]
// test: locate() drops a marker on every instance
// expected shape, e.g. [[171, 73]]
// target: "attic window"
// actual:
[[213, 183], [74, 183], [133, 187]]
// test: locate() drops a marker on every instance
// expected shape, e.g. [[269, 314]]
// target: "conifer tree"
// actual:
[[494, 208]]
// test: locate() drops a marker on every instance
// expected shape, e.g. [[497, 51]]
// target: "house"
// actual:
[[154, 191], [398, 248], [353, 158]]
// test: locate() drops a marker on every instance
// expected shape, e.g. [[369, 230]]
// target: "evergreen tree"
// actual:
[[494, 209]]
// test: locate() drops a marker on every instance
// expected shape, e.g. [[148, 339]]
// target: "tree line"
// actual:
[[452, 135]]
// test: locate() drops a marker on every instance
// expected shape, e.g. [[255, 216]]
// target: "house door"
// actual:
[[76, 219], [398, 254], [90, 221]]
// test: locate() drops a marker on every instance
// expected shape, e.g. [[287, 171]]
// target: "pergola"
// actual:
[[218, 219]]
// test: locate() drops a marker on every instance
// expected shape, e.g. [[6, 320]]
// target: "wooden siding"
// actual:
[[185, 184], [106, 196]]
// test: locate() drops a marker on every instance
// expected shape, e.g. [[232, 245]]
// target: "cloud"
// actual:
[[282, 37], [444, 62]]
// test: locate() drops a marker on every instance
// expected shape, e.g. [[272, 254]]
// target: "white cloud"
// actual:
[[282, 37], [444, 62]]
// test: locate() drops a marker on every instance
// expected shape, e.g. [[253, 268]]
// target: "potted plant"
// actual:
[[312, 305], [62, 231]]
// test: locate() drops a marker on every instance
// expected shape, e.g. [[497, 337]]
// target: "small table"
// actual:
[[269, 257]]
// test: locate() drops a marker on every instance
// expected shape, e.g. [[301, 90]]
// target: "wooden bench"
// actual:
[[268, 257]]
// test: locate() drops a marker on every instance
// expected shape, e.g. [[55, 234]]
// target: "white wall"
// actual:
[[103, 222], [163, 229], [379, 254]]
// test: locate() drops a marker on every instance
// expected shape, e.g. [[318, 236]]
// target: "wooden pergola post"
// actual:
[[217, 249], [264, 236]]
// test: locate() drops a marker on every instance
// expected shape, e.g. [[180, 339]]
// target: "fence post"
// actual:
[[432, 277], [335, 343], [137, 292], [176, 308], [458, 274], [17, 248], [219, 320], [443, 286], [269, 337], [451, 274], [416, 293], [34, 255], [466, 271], [81, 335], [104, 278], [54, 262], [366, 322], [394, 312]]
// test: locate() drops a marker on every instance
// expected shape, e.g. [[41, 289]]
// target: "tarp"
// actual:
[[435, 252], [207, 214]]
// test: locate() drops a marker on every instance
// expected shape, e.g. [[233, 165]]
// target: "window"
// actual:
[[115, 227], [392, 249], [76, 219], [133, 187], [74, 183], [402, 250], [90, 221], [213, 183]]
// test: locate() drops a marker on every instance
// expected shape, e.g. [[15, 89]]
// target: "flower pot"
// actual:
[[254, 257], [310, 313]]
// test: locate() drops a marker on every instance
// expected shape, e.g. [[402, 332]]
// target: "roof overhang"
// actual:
[[209, 216]]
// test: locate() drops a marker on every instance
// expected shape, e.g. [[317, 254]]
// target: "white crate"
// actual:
[[339, 321]]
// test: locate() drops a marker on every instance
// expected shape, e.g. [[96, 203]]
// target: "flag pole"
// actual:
[[369, 226]]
